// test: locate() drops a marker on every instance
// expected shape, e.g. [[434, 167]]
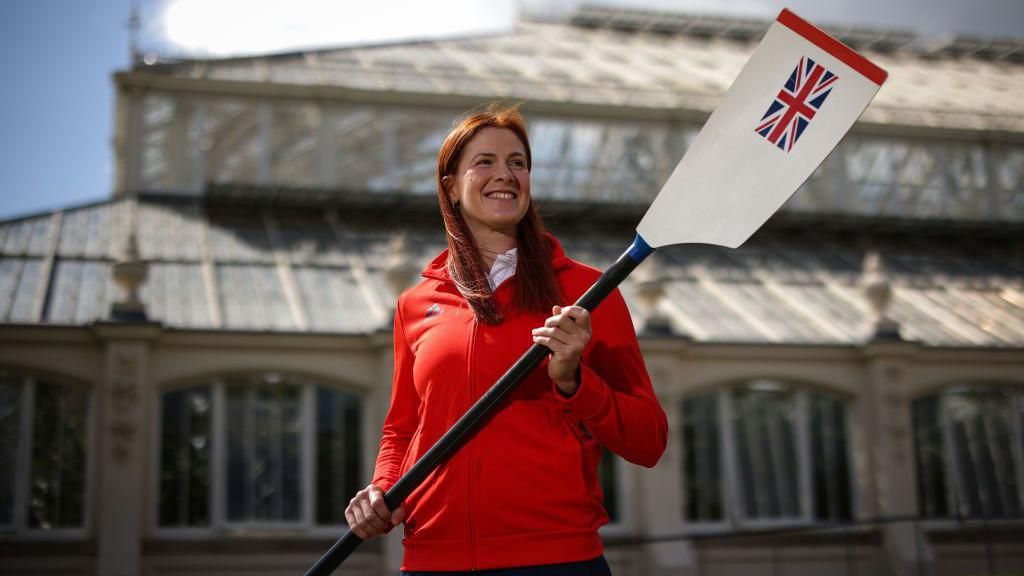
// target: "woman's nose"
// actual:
[[503, 172]]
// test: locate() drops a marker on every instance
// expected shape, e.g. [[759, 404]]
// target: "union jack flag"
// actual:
[[797, 103]]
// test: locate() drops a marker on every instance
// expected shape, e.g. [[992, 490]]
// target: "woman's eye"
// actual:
[[483, 162], [517, 163]]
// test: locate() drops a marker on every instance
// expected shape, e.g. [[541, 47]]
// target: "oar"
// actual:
[[797, 96]]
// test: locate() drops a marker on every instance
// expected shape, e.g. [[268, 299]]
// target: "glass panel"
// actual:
[[830, 458], [232, 141], [10, 427], [263, 451], [185, 458], [764, 420], [702, 463], [338, 453], [293, 144], [252, 298], [981, 430], [607, 472], [932, 495], [170, 142], [600, 159], [57, 483]]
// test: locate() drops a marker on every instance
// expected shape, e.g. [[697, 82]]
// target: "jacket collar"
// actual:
[[438, 267]]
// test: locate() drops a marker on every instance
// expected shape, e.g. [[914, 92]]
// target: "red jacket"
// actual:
[[524, 490]]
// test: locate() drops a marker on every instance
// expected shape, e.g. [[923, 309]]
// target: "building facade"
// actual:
[[194, 372]]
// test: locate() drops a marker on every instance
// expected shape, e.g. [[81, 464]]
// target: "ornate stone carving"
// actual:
[[129, 273], [878, 291], [124, 397]]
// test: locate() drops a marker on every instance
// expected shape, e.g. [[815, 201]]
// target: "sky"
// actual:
[[57, 58]]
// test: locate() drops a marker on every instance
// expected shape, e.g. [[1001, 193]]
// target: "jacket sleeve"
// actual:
[[615, 399], [403, 416]]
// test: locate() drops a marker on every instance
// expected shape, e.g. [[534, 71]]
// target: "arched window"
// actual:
[[969, 448], [44, 433], [258, 449], [765, 451]]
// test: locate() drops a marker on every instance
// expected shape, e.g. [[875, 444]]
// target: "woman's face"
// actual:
[[492, 183]]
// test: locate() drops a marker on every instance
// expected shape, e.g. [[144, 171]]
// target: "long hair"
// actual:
[[536, 288]]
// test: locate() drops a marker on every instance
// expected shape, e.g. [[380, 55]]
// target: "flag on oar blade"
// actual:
[[747, 160]]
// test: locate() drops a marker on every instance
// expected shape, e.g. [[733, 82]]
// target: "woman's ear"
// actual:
[[448, 182]]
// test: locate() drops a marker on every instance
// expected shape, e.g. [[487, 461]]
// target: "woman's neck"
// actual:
[[492, 243]]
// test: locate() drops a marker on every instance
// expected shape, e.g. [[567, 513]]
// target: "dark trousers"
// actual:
[[595, 567]]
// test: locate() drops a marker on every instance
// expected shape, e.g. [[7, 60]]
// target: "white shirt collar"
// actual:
[[503, 268]]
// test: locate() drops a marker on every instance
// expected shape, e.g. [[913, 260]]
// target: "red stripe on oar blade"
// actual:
[[834, 47]]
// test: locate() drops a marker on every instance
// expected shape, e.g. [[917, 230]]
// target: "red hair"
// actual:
[[536, 288]]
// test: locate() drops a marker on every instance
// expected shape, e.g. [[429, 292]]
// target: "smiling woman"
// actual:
[[526, 488]]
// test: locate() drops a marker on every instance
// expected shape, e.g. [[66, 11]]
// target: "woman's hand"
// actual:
[[368, 516], [566, 333]]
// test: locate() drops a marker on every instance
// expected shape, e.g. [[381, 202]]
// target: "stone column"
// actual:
[[124, 410], [658, 495], [888, 429], [891, 453]]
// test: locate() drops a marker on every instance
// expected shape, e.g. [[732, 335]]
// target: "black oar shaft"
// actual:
[[456, 435]]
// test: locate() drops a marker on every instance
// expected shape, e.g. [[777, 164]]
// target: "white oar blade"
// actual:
[[797, 96]]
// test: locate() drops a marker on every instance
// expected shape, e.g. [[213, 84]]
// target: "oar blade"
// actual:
[[797, 96]]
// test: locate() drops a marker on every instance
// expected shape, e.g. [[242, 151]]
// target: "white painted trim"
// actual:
[[266, 129], [733, 497], [307, 449], [208, 270], [805, 463], [199, 152], [218, 457]]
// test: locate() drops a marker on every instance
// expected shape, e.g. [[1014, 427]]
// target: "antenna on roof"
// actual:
[[134, 24]]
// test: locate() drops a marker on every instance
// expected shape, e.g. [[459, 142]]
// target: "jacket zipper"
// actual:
[[471, 468]]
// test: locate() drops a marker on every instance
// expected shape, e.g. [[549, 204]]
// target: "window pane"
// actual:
[[58, 457], [185, 458], [702, 464], [829, 456], [932, 496], [264, 466], [764, 415], [981, 431], [607, 472], [338, 453], [10, 424]]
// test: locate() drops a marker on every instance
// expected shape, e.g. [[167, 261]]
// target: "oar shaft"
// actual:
[[455, 437]]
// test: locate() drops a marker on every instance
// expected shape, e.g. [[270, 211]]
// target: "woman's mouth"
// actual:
[[501, 195]]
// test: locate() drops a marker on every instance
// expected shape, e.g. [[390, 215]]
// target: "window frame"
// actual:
[[950, 464], [19, 527], [732, 493], [219, 524]]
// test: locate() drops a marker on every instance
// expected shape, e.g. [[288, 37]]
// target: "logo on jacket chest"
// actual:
[[434, 310]]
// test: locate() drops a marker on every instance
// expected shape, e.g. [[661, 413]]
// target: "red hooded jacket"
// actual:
[[524, 489]]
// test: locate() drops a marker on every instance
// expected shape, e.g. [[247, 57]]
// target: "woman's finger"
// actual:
[[370, 518], [378, 505], [357, 524], [397, 515]]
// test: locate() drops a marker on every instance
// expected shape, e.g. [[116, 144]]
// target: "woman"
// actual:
[[523, 492]]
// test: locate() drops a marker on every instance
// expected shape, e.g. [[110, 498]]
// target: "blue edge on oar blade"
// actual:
[[639, 250]]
